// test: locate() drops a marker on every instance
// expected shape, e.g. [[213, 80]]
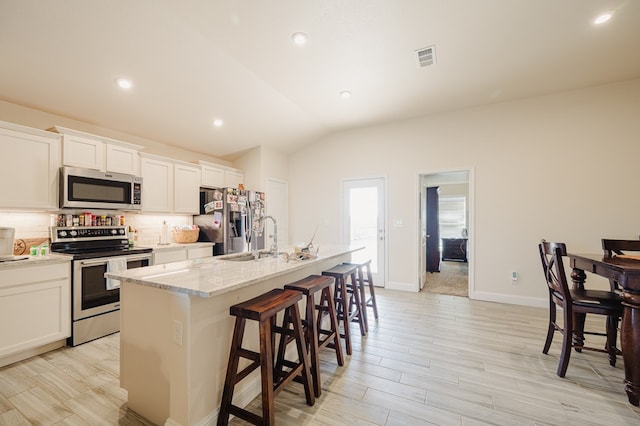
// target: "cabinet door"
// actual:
[[121, 159], [212, 177], [187, 189], [35, 307], [157, 185], [167, 256], [83, 152], [29, 169], [233, 178], [199, 252]]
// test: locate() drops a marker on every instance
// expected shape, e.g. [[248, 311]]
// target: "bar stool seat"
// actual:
[[366, 280], [317, 337], [347, 298], [264, 309]]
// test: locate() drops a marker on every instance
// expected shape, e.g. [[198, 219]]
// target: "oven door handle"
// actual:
[[103, 261]]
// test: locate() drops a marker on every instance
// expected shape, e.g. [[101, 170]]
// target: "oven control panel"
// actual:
[[82, 233]]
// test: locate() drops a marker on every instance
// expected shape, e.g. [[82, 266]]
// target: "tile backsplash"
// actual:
[[149, 226]]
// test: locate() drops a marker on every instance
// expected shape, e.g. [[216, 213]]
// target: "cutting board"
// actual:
[[22, 245]]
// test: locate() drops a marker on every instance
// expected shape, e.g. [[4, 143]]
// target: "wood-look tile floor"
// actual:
[[429, 359]]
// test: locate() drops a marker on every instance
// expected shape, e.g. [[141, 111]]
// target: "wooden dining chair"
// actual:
[[575, 301], [618, 248]]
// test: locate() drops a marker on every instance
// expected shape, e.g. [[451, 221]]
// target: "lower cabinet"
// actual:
[[35, 308], [179, 253]]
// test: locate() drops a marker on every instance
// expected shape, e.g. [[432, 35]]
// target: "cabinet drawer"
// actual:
[[34, 274]]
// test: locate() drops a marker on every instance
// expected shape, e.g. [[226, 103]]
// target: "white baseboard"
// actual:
[[534, 302], [397, 285]]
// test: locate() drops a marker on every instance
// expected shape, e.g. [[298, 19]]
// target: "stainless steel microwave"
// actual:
[[93, 189]]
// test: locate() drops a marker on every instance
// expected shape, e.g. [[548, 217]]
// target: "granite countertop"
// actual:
[[34, 260], [211, 276]]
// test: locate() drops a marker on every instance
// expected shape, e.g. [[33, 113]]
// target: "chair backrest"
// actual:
[[612, 247], [551, 255]]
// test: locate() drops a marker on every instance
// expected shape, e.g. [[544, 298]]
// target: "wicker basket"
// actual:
[[186, 235]]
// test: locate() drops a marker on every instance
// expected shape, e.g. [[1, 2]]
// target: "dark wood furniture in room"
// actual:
[[433, 229], [576, 303], [318, 337], [618, 248], [366, 280], [347, 298], [264, 310], [626, 272], [454, 249]]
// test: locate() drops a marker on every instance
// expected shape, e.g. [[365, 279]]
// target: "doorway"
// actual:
[[364, 222], [445, 218]]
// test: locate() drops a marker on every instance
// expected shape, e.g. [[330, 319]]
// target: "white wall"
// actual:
[[561, 167]]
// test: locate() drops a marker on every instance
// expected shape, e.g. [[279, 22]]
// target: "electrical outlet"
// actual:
[[177, 332], [514, 277]]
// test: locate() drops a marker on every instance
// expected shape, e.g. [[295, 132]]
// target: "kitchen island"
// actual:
[[175, 330]]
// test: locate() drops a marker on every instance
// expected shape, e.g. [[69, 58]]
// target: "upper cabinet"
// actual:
[[84, 150], [29, 167], [157, 183], [169, 186], [218, 176], [186, 179]]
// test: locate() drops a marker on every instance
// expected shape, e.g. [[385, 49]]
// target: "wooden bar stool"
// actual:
[[347, 298], [367, 281], [264, 309], [317, 337]]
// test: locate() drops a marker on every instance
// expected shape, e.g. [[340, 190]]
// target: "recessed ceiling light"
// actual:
[[299, 38], [124, 83], [218, 122], [345, 94], [603, 18]]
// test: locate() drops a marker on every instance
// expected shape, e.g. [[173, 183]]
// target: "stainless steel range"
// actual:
[[95, 249]]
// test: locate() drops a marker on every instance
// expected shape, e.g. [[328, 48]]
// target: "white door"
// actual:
[[364, 222]]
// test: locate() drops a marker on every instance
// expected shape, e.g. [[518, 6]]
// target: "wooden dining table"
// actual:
[[626, 271]]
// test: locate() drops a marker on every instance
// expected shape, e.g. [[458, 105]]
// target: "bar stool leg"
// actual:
[[363, 299], [372, 293], [357, 304], [266, 371], [343, 307], [312, 343], [326, 299], [303, 354]]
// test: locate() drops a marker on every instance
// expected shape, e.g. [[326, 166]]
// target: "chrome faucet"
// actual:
[[274, 244]]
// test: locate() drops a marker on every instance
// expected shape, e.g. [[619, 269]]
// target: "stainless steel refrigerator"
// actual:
[[231, 218]]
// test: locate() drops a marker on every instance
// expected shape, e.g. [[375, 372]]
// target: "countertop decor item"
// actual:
[[186, 235]]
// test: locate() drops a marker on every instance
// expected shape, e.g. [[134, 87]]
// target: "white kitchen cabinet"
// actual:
[[186, 188], [83, 152], [200, 252], [29, 167], [218, 176], [179, 252], [35, 308], [169, 254], [89, 151], [212, 176], [157, 184], [233, 178], [121, 159]]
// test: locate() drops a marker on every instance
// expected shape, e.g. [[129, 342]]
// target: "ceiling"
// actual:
[[193, 61]]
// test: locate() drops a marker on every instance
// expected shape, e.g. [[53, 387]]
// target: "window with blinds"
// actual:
[[452, 215]]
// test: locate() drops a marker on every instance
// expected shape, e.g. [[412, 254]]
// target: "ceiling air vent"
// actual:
[[426, 56]]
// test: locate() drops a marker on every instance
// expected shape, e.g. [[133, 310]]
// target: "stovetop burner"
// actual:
[[87, 242]]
